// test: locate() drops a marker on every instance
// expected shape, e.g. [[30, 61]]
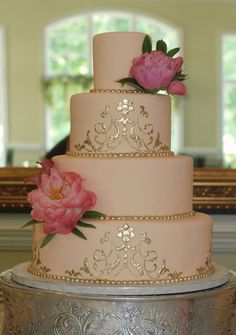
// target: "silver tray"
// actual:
[[36, 311]]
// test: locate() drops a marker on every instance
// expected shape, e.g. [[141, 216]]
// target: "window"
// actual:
[[69, 59], [229, 99], [2, 100]]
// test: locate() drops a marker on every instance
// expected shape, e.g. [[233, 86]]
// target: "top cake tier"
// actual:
[[112, 57]]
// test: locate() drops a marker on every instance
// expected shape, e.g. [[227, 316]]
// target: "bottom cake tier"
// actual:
[[128, 251]]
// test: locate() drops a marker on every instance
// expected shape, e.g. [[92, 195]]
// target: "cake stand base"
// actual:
[[31, 311]]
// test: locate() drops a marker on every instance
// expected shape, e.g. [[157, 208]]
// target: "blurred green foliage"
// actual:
[[229, 99]]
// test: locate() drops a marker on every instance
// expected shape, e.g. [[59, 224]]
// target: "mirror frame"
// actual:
[[214, 190]]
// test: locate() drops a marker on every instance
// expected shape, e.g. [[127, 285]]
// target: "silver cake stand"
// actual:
[[44, 311]]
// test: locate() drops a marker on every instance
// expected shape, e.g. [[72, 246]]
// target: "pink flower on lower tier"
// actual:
[[60, 201], [176, 88], [155, 70]]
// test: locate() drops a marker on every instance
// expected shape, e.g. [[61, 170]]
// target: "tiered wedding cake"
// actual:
[[120, 151]]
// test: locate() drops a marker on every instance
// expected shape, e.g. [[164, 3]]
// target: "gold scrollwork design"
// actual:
[[135, 255], [123, 124], [208, 265], [128, 252], [35, 253]]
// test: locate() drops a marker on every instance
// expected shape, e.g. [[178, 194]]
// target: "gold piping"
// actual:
[[120, 155], [148, 217], [112, 90], [121, 282]]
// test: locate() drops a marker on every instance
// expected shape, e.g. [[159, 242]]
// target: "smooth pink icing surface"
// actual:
[[136, 186], [112, 57], [118, 122], [182, 246]]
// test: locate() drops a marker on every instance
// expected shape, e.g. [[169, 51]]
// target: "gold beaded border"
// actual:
[[121, 282], [112, 90], [120, 155], [148, 217]]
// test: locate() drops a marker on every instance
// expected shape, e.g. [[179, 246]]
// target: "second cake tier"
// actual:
[[120, 122]]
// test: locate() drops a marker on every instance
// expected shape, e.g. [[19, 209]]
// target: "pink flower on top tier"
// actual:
[[60, 200], [155, 70], [176, 87]]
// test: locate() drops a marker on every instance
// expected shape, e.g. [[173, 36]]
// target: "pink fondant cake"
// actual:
[[120, 148]]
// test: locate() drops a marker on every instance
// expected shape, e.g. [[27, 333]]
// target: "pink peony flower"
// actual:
[[60, 200], [155, 70], [176, 87], [46, 165]]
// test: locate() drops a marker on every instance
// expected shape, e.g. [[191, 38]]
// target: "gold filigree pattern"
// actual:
[[44, 270], [130, 252], [123, 124], [36, 253], [208, 265], [83, 271]]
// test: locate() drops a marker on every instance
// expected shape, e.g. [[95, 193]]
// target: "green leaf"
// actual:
[[79, 233], [155, 91], [85, 225], [147, 44], [172, 52], [47, 239], [126, 80], [161, 46], [131, 82], [180, 76], [93, 215], [30, 223]]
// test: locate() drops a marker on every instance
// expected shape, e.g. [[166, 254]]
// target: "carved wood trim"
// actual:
[[214, 190]]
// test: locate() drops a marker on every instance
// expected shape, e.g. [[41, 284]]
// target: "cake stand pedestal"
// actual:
[[31, 311]]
